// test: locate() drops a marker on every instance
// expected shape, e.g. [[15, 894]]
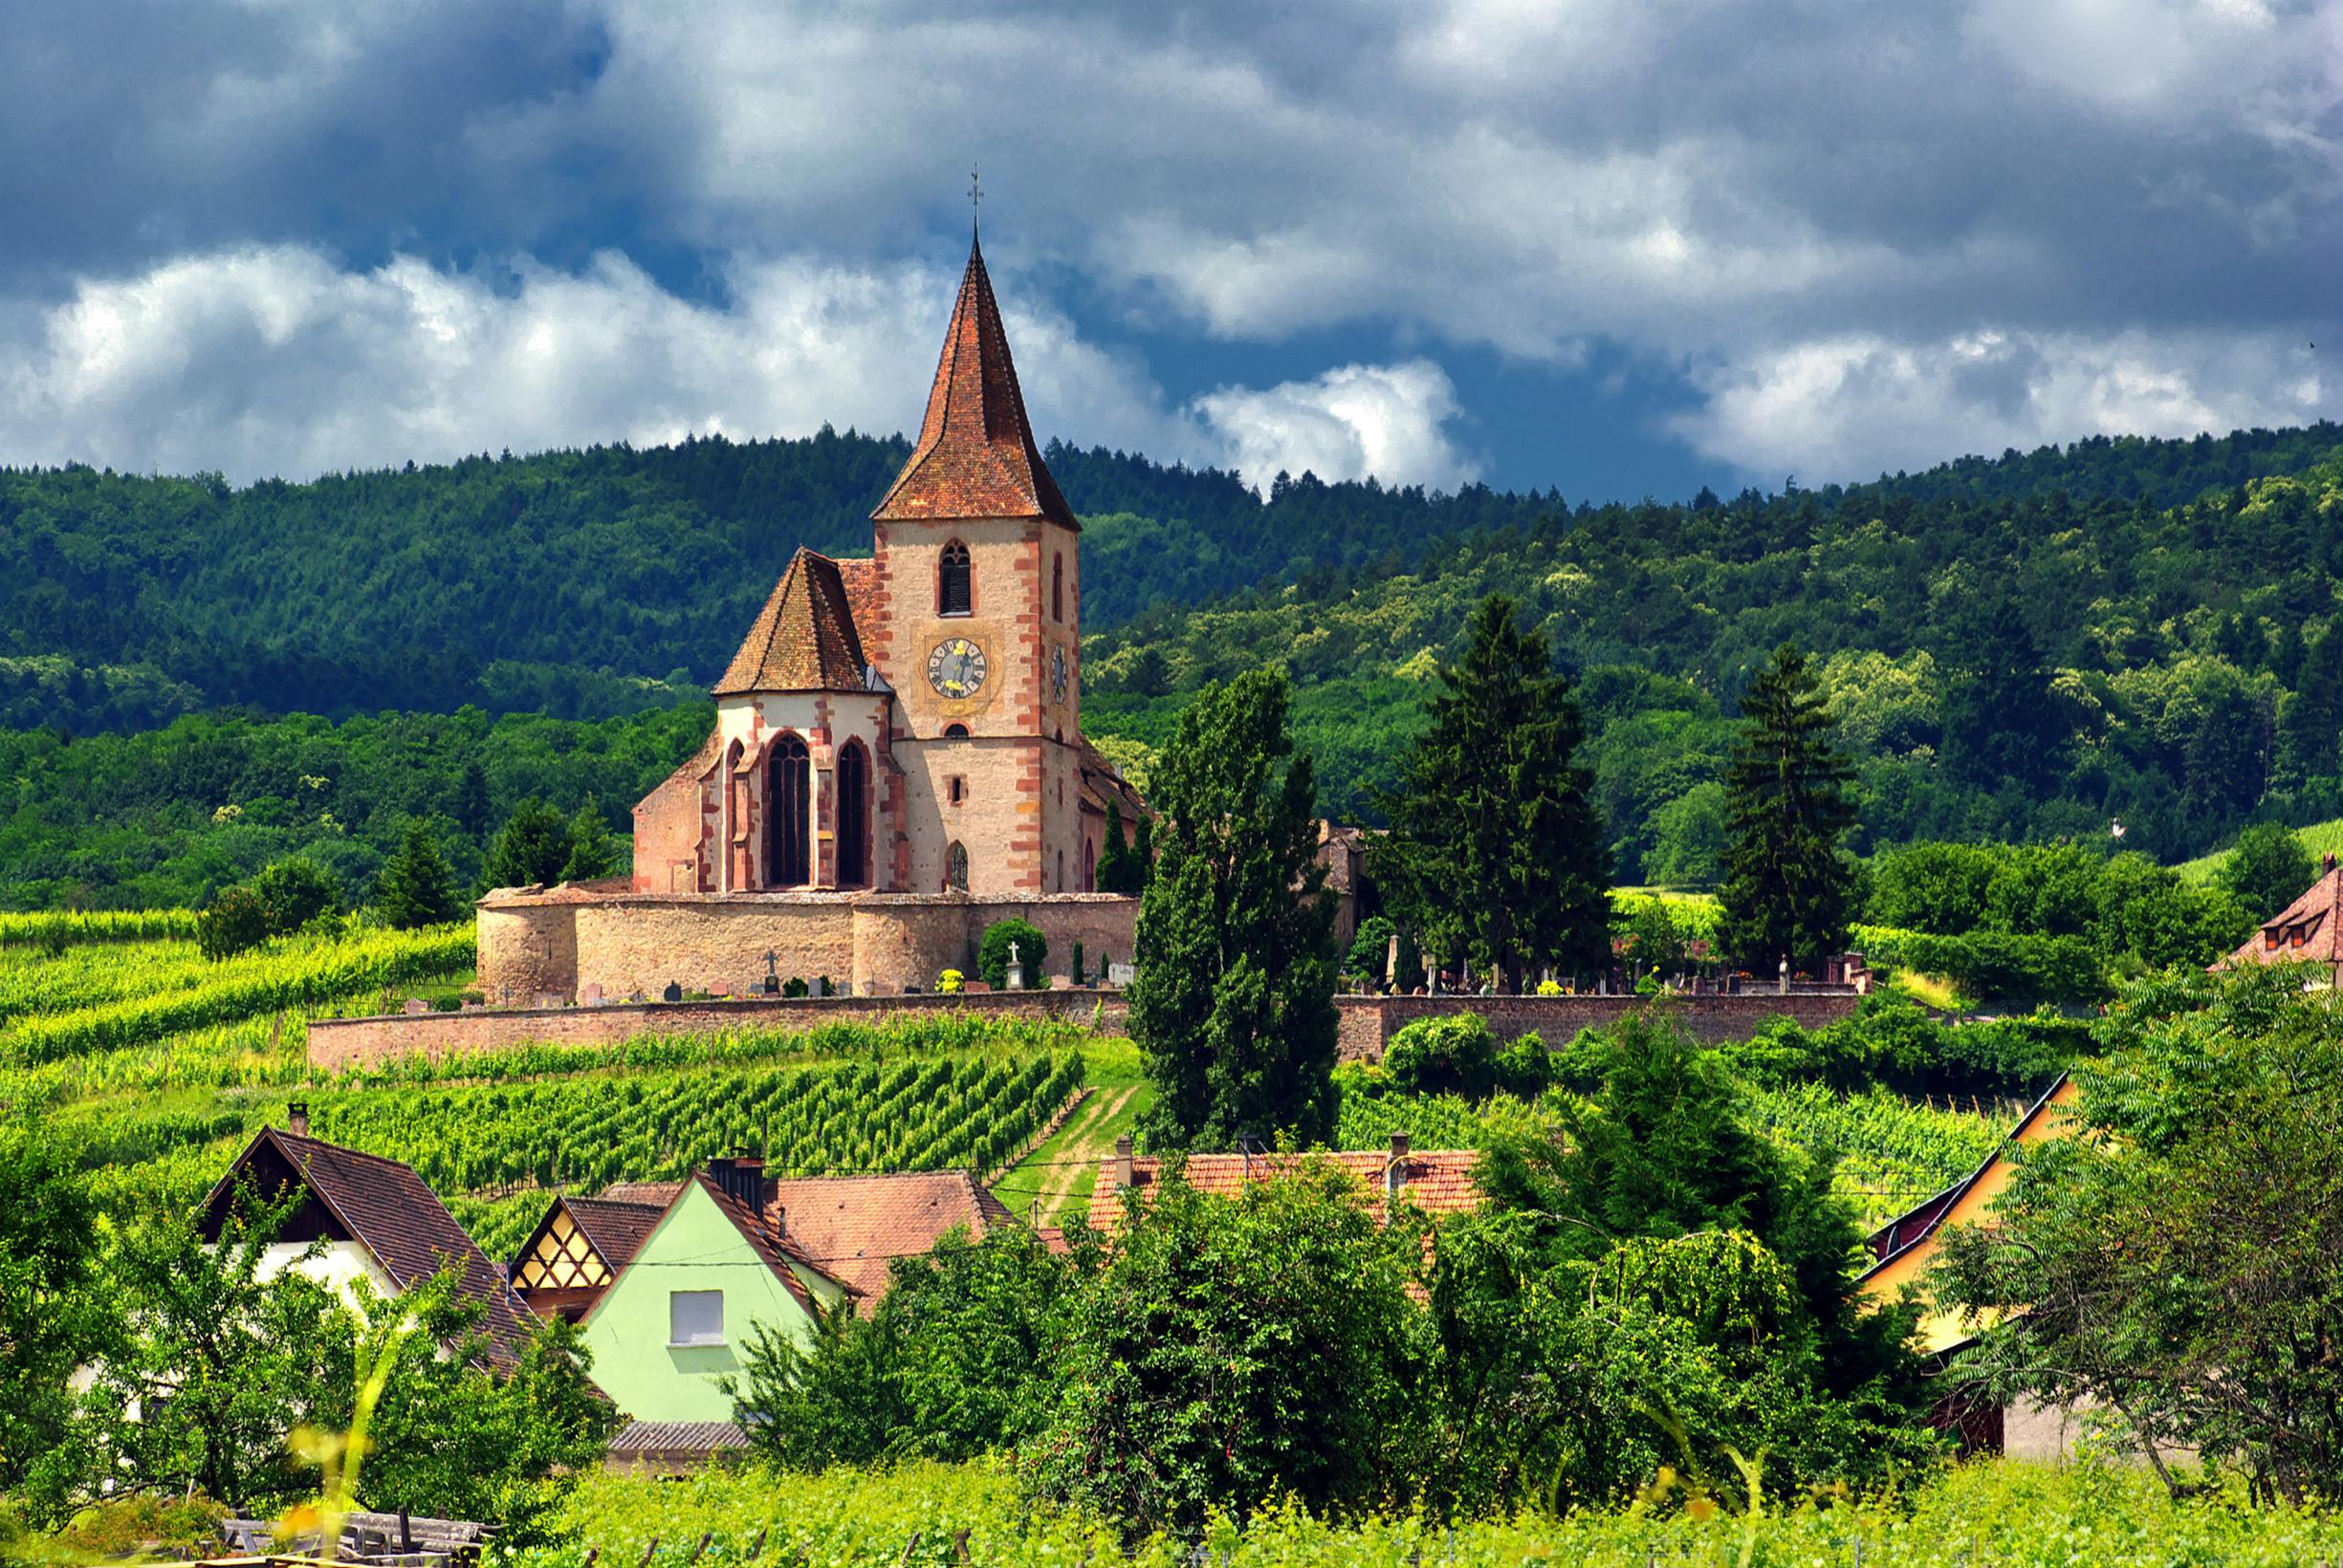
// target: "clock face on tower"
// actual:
[[1057, 675], [957, 667]]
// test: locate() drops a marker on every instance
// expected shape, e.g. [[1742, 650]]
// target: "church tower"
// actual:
[[977, 623]]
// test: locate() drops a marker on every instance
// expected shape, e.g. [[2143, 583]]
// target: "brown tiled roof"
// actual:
[[386, 1208], [976, 455], [1100, 781], [616, 1227], [1439, 1182], [2316, 917], [804, 638], [854, 1226], [861, 577], [658, 1194]]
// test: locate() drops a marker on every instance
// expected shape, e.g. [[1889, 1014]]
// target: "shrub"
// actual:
[[1455, 1055], [295, 892], [235, 922], [993, 953]]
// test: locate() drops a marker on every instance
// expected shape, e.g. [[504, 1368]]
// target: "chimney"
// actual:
[[1122, 1161], [1395, 1174], [741, 1178], [296, 1118], [2326, 863], [781, 1222]]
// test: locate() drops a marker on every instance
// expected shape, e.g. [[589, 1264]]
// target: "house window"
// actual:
[[954, 593], [959, 789], [1057, 587], [2269, 939], [955, 866], [695, 1317]]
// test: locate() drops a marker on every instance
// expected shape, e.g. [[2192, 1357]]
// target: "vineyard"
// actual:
[[1985, 1514], [1892, 1152]]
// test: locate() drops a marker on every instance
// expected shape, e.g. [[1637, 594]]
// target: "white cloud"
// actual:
[[275, 360], [1387, 421], [1857, 405]]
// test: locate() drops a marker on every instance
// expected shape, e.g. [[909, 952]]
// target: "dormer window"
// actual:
[[954, 593], [2270, 938]]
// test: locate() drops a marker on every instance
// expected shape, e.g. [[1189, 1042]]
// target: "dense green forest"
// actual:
[[2032, 647]]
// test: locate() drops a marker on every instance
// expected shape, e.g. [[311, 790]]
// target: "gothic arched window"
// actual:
[[955, 732], [735, 825], [955, 594], [955, 866], [1057, 587], [1089, 866], [853, 816], [789, 793]]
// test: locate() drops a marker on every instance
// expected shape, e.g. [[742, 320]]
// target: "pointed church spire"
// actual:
[[976, 456]]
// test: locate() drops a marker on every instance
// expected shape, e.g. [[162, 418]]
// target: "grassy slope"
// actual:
[[2319, 839], [1055, 1179]]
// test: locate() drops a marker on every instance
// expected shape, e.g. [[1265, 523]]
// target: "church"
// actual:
[[897, 760]]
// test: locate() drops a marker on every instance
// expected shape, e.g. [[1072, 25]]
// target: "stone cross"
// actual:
[[1017, 969]]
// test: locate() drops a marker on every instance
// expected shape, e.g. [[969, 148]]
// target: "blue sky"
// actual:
[[1616, 246]]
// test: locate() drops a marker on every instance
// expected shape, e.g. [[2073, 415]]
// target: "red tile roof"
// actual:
[[854, 1226], [616, 1229], [1439, 1182], [805, 638], [773, 1250], [976, 455], [861, 577], [2309, 929], [385, 1208]]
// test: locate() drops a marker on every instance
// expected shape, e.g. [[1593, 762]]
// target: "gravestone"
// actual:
[[1017, 969], [1122, 974], [414, 1005], [589, 996], [673, 994]]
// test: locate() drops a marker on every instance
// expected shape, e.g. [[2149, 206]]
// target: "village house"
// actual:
[[897, 761], [1903, 1249], [373, 1221], [2306, 931], [670, 1281]]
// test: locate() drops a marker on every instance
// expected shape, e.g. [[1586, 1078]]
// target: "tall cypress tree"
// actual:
[[1234, 1003], [1496, 848], [1787, 891]]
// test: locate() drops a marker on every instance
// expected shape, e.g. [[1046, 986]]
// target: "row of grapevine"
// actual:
[[53, 927], [587, 1132], [36, 980], [296, 974]]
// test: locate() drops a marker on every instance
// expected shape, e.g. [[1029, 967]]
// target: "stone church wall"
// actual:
[[557, 945]]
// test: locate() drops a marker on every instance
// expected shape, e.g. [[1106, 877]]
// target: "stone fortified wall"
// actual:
[[1366, 1023], [557, 945]]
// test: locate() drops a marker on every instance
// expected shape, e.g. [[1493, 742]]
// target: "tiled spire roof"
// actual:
[[804, 638], [976, 456]]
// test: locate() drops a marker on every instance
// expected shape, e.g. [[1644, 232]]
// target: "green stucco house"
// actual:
[[683, 1308]]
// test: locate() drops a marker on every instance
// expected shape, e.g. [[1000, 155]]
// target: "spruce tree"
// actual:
[[532, 848], [591, 852], [1787, 891], [1114, 856], [1234, 1003], [1496, 850], [415, 888]]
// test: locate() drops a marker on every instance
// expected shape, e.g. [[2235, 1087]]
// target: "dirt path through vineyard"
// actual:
[[1091, 1140]]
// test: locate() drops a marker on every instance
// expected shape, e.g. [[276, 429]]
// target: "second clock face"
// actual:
[[957, 667]]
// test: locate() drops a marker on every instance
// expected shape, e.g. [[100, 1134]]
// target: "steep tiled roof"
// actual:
[[976, 455], [616, 1227], [804, 638], [2310, 930], [1439, 1182], [386, 1208], [861, 577], [853, 1227]]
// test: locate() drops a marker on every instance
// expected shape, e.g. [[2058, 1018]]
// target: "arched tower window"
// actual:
[[955, 866], [955, 732], [954, 595], [853, 816], [731, 819], [1057, 586], [789, 791], [1089, 866]]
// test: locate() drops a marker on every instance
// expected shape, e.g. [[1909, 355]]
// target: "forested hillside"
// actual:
[[2029, 647]]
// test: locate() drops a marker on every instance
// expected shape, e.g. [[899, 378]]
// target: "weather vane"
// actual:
[[975, 192]]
